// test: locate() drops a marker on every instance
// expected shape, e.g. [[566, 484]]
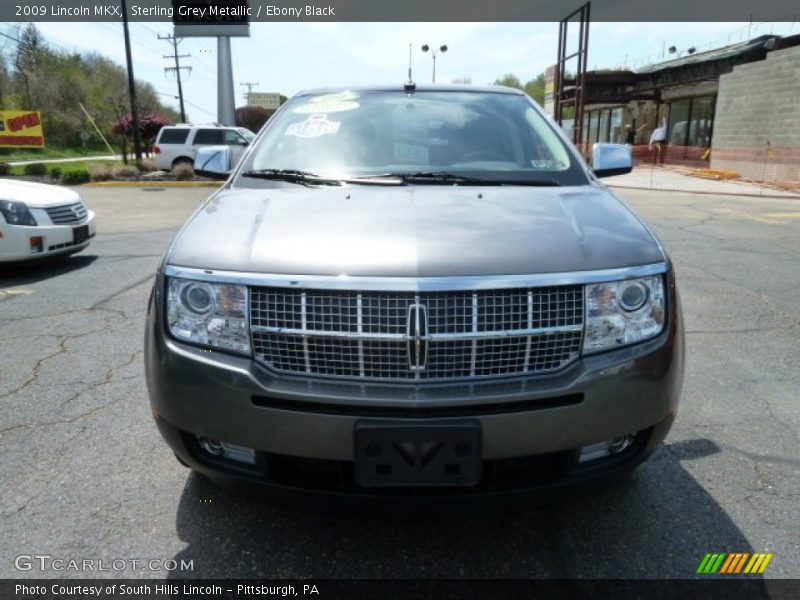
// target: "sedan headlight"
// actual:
[[620, 313], [16, 213], [209, 314]]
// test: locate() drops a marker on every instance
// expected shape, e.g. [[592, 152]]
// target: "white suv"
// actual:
[[177, 144]]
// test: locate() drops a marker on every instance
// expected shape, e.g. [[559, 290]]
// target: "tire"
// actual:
[[182, 160]]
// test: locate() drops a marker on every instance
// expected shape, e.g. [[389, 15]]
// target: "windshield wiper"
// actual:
[[292, 176], [531, 182], [445, 178], [441, 177]]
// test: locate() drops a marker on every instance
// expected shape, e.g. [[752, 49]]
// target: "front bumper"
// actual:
[[196, 392], [15, 244]]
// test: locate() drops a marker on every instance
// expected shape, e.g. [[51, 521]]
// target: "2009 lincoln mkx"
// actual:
[[414, 291]]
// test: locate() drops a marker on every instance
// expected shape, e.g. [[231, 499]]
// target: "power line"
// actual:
[[189, 102], [249, 85], [177, 69]]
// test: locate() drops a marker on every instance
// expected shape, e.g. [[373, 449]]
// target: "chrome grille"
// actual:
[[67, 214], [372, 335]]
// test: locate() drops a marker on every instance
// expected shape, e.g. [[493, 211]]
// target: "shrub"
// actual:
[[4, 168], [125, 172], [75, 176], [36, 169], [99, 172], [148, 166], [183, 171], [55, 172]]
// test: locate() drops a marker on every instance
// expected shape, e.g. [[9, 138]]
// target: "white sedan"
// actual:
[[38, 220]]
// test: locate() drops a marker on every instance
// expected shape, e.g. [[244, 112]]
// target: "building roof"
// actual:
[[764, 42]]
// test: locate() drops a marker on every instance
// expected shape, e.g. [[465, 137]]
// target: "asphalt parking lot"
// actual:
[[85, 474]]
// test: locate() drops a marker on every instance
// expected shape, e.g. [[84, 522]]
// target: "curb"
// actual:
[[140, 184], [775, 196]]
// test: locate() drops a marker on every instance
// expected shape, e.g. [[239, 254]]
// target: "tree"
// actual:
[[252, 117], [509, 80], [149, 126], [31, 47], [34, 76], [534, 88]]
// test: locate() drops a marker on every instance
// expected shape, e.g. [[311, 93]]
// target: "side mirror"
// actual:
[[611, 159], [214, 162]]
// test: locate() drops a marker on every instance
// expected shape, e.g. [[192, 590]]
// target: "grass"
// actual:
[[13, 154], [65, 166]]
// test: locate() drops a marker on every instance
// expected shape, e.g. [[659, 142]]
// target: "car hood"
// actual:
[[36, 195], [414, 231]]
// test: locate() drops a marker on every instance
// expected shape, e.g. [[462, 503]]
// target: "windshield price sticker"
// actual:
[[313, 126], [329, 103]]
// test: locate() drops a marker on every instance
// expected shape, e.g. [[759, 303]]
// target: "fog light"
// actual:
[[37, 244], [211, 446], [620, 444], [593, 452], [226, 450], [604, 449]]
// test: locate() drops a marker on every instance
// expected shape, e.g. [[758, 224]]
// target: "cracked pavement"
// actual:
[[85, 475]]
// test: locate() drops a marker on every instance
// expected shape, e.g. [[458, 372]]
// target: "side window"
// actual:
[[173, 135], [208, 137], [232, 138]]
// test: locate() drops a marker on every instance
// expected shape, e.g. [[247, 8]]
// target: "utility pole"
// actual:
[[177, 68], [249, 85], [137, 140]]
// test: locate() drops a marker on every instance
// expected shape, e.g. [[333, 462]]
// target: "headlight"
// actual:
[[16, 213], [210, 314], [619, 313]]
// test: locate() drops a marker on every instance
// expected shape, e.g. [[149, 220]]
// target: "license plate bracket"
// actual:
[[80, 234], [417, 454]]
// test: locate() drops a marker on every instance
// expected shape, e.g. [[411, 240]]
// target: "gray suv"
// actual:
[[414, 292]]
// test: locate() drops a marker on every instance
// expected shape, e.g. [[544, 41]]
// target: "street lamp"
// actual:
[[434, 52]]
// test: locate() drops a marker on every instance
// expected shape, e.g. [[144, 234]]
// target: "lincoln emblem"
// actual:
[[417, 329]]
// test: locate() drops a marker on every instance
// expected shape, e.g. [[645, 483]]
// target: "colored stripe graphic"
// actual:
[[711, 563], [734, 563], [703, 563], [741, 562], [728, 564]]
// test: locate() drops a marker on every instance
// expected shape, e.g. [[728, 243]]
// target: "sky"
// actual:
[[289, 57]]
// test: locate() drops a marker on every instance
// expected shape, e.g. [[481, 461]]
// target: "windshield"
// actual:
[[346, 135]]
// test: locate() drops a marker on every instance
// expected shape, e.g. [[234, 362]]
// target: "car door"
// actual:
[[206, 137], [236, 142]]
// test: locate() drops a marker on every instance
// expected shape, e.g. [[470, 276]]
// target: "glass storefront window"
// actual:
[[592, 138], [677, 133], [602, 134], [617, 135], [585, 132], [702, 116]]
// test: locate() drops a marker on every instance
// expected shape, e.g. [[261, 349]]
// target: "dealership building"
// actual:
[[739, 101]]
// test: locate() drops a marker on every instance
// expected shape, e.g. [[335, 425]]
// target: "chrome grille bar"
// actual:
[[360, 325], [530, 326], [67, 214], [304, 321], [474, 356], [426, 336], [431, 337]]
